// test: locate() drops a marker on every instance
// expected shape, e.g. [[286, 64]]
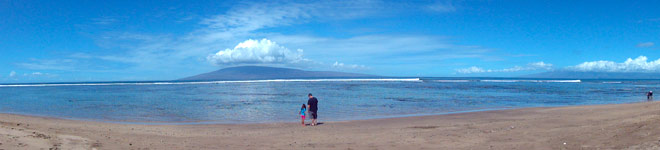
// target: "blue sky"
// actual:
[[61, 41]]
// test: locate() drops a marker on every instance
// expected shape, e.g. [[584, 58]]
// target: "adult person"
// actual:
[[312, 103], [649, 95]]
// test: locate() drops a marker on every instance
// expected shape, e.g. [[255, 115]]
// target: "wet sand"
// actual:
[[621, 126]]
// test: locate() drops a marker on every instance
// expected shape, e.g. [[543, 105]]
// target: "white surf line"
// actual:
[[450, 80], [572, 81], [216, 82], [560, 81], [612, 82]]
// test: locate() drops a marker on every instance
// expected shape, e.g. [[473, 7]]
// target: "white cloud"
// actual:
[[639, 64], [157, 53], [34, 75], [50, 64], [257, 52], [258, 16], [385, 48], [144, 52], [245, 19], [75, 62], [541, 65], [473, 69], [339, 65], [645, 44], [12, 74], [531, 66]]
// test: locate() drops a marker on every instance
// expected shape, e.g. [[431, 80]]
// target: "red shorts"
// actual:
[[303, 117]]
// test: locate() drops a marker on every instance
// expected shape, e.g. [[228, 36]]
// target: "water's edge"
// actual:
[[295, 121]]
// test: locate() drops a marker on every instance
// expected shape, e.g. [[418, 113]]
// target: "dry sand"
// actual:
[[622, 126]]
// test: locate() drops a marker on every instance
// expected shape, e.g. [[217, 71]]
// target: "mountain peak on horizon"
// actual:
[[264, 72]]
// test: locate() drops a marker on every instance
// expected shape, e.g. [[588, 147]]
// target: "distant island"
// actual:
[[594, 75], [261, 72]]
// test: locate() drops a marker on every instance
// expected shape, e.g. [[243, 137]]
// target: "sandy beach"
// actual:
[[620, 126]]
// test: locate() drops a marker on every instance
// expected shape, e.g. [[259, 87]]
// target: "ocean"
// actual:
[[268, 101]]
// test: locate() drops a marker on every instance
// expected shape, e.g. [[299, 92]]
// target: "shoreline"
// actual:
[[606, 126], [250, 123], [279, 122]]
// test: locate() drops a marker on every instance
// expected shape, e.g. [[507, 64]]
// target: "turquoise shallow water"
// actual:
[[279, 100]]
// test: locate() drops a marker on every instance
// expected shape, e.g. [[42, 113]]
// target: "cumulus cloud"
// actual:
[[531, 66], [645, 44], [257, 52], [12, 73], [639, 64]]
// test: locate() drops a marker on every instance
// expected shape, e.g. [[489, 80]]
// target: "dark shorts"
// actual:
[[313, 114]]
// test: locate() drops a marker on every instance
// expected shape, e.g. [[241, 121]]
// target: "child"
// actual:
[[303, 109]]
